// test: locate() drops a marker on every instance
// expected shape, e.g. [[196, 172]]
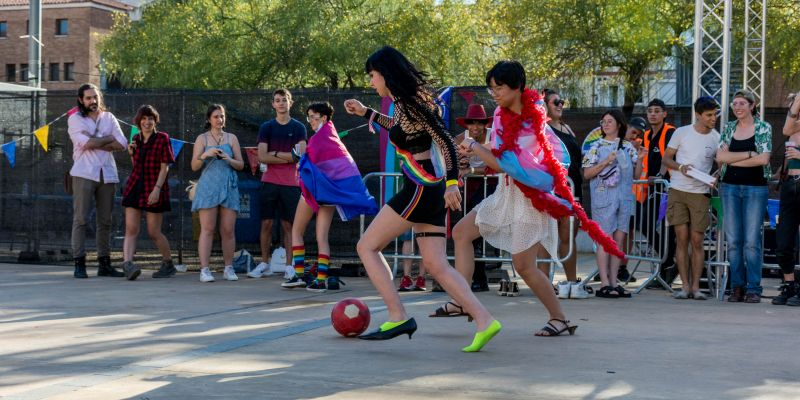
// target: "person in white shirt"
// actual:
[[692, 148], [95, 134]]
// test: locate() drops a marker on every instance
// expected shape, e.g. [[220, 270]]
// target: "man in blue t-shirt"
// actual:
[[280, 189]]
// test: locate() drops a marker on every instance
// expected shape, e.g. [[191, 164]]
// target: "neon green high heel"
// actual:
[[483, 337]]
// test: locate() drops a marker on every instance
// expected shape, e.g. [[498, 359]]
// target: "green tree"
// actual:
[[262, 43], [562, 40]]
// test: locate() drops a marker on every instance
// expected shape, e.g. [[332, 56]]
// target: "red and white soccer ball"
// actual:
[[350, 317]]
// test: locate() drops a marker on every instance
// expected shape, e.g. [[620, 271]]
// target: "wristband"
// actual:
[[471, 144], [451, 182]]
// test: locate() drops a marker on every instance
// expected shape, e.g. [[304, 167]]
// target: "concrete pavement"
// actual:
[[106, 338]]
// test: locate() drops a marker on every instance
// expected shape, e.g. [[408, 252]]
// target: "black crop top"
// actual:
[[417, 137]]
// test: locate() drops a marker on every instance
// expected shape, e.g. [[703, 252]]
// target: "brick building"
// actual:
[[71, 30]]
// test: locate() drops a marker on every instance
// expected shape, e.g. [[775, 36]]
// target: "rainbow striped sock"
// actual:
[[299, 259], [322, 267]]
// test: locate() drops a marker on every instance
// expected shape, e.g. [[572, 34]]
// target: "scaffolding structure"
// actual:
[[712, 51]]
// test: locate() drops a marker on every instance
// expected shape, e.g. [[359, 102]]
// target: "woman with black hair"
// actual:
[[610, 165], [417, 131], [572, 288]]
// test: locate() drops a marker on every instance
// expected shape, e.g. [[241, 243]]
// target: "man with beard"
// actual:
[[95, 134]]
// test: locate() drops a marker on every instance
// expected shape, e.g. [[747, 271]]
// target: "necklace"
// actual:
[[215, 138]]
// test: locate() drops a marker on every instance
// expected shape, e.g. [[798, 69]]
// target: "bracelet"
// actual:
[[451, 182]]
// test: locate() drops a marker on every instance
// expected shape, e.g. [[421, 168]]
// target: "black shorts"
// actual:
[[133, 197], [278, 201], [420, 204]]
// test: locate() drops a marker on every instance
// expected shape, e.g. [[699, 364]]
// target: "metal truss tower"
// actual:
[[755, 31], [712, 52]]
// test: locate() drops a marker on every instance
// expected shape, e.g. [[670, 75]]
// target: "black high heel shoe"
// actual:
[[409, 326]]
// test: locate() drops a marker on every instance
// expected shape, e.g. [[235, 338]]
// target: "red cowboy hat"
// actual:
[[475, 112]]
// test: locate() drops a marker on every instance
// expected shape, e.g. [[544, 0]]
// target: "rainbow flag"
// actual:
[[593, 136]]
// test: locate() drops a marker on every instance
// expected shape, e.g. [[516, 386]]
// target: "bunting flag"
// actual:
[[134, 132], [177, 145], [71, 111], [467, 95], [42, 134], [10, 150], [443, 101], [252, 158]]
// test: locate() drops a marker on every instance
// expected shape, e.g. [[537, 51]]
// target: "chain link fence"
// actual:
[[36, 212]]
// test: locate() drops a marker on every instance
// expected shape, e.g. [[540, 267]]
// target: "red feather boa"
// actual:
[[512, 124]]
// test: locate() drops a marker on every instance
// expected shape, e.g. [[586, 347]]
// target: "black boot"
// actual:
[[788, 290], [167, 270], [104, 268], [80, 268]]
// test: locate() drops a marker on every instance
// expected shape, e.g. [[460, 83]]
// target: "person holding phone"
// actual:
[[218, 155]]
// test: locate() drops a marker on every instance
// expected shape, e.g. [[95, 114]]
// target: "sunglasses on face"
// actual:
[[558, 103], [472, 121]]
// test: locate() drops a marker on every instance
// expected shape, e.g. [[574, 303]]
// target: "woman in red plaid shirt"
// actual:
[[146, 191]]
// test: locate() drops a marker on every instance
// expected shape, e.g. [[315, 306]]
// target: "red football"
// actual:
[[350, 317]]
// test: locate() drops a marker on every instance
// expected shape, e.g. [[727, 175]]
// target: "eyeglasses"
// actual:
[[558, 103], [309, 118], [493, 90], [740, 104], [474, 121], [605, 122]]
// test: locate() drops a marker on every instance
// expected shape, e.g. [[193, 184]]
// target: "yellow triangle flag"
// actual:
[[42, 134]]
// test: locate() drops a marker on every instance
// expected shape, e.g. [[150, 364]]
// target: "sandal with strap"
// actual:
[[444, 312], [606, 292], [621, 292], [551, 329]]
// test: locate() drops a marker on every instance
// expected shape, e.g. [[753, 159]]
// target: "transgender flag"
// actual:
[[329, 176]]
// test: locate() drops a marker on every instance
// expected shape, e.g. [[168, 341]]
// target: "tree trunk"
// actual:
[[633, 87], [333, 81]]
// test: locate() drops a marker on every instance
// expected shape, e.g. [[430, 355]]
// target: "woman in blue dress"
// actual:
[[218, 155]]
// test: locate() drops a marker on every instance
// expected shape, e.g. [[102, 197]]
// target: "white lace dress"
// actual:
[[508, 221]]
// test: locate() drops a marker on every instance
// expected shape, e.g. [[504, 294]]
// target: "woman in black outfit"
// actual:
[[572, 288], [416, 131]]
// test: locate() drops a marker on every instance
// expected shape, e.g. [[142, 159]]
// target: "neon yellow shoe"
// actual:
[[483, 337]]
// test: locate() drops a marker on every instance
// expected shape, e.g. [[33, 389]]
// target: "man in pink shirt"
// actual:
[[95, 134], [280, 187]]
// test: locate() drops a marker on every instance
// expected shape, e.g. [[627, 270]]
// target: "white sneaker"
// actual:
[[288, 272], [205, 275], [229, 274], [259, 271], [564, 288], [578, 291]]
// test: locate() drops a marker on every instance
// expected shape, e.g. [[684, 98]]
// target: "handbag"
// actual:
[[243, 262], [191, 188]]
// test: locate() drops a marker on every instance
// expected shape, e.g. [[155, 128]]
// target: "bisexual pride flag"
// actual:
[[329, 176]]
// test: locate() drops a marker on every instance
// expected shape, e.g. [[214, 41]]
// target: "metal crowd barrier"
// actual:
[[647, 243], [648, 233], [715, 246], [388, 183]]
